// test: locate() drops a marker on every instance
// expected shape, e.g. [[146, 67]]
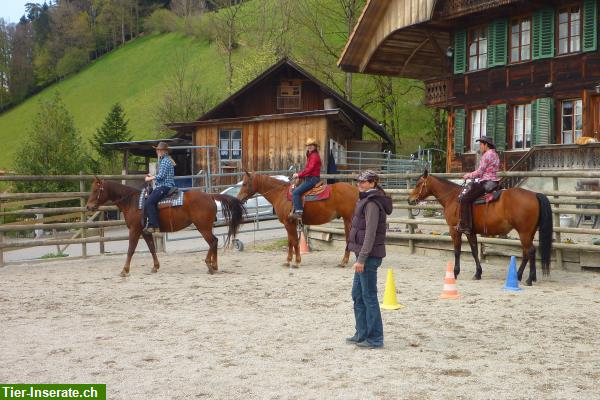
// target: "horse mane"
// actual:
[[271, 179], [443, 180], [118, 189]]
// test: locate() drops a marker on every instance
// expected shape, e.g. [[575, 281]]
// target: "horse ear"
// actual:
[[425, 173], [246, 172]]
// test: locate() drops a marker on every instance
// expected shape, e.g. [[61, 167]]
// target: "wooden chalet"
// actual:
[[264, 126], [525, 72]]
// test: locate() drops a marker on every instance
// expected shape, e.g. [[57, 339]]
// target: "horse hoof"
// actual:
[[476, 278], [295, 265], [528, 283], [154, 270], [124, 274], [210, 271], [342, 265], [286, 264]]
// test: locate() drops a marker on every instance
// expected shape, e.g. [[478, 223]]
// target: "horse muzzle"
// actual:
[[412, 202]]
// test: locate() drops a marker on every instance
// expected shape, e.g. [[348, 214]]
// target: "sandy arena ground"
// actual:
[[255, 332]]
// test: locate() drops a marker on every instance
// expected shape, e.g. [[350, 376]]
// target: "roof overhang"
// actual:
[[392, 38], [144, 148]]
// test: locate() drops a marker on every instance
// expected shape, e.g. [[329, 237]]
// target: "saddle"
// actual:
[[489, 197], [173, 198], [321, 191]]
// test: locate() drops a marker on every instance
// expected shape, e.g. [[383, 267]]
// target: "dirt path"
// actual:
[[255, 332]]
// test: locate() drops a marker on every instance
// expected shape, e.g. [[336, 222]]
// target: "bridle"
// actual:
[[99, 192], [254, 189]]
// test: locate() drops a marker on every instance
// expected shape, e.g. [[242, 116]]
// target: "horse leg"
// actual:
[[150, 242], [529, 252], [134, 237], [211, 255], [456, 241], [292, 239], [532, 271], [473, 243], [523, 263], [347, 226]]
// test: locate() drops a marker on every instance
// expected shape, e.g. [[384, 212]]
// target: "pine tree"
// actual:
[[114, 129]]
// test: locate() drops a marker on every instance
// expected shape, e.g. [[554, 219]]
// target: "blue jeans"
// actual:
[[369, 326], [151, 205], [307, 183]]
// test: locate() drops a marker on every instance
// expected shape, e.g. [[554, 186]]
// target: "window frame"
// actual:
[[482, 127], [230, 140], [520, 20], [484, 29], [287, 101], [524, 132], [573, 120], [569, 37]]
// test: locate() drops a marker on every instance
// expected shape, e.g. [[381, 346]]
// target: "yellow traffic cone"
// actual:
[[389, 298]]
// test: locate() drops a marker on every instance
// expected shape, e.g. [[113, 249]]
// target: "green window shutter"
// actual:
[[543, 33], [490, 127], [459, 130], [590, 25], [460, 51], [500, 127], [497, 42], [542, 120]]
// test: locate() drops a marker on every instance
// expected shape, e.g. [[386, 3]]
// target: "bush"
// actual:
[[197, 27], [162, 21], [73, 60]]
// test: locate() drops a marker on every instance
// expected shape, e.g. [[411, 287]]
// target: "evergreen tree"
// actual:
[[53, 147], [114, 129]]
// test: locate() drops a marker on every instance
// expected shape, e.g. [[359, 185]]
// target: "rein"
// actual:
[[438, 199]]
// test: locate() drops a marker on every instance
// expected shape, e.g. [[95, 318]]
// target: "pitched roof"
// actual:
[[351, 110]]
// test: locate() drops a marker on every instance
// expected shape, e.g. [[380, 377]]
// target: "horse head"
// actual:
[[98, 195], [421, 190], [248, 188]]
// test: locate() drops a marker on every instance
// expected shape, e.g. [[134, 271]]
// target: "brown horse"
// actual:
[[340, 204], [516, 208], [198, 208]]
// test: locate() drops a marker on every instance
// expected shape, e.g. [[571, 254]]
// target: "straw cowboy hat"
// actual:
[[312, 141], [162, 146]]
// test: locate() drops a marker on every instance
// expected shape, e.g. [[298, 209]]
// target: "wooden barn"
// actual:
[[264, 126], [525, 72]]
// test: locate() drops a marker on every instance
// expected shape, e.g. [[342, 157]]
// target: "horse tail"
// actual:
[[545, 232], [233, 211]]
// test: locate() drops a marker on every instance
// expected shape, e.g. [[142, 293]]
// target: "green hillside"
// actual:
[[136, 75], [133, 75]]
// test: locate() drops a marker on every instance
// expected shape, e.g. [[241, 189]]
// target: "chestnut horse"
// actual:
[[198, 208], [340, 204], [517, 208]]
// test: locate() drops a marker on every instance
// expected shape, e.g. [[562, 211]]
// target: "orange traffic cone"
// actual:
[[304, 249], [450, 291]]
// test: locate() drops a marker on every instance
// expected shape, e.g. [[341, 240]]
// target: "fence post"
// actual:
[[101, 232], [1, 250], [83, 219], [411, 227], [159, 242], [556, 222]]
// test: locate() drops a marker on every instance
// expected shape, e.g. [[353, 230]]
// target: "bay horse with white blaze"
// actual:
[[340, 204], [198, 208], [519, 209]]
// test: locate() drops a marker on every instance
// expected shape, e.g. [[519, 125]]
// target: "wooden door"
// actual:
[[595, 116]]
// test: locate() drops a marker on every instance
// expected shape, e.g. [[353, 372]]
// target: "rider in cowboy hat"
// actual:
[[164, 181], [310, 176], [485, 181]]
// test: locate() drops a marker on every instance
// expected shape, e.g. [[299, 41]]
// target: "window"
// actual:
[[520, 40], [572, 120], [478, 126], [522, 127], [478, 49], [289, 95], [569, 30], [230, 144]]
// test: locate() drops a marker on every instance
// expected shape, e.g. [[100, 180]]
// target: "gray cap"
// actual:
[[487, 139]]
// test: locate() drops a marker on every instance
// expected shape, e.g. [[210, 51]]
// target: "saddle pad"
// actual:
[[319, 193], [488, 197], [174, 200]]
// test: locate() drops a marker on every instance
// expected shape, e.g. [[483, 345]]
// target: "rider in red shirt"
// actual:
[[310, 176]]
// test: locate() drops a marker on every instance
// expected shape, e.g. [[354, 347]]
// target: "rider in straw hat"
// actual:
[[164, 181], [310, 176], [485, 181]]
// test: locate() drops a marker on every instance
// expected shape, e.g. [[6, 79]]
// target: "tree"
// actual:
[[5, 56], [52, 147], [184, 99], [22, 80], [114, 129]]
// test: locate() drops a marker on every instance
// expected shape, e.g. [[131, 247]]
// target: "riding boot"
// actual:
[[466, 218]]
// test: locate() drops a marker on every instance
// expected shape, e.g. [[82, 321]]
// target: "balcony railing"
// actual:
[[456, 8], [436, 92]]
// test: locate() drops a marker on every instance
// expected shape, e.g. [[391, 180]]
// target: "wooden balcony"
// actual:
[[436, 92]]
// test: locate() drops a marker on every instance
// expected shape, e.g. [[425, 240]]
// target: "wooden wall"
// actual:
[[266, 145]]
